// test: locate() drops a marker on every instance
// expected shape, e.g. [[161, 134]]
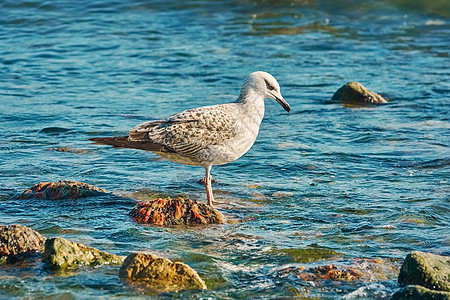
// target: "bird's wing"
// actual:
[[190, 131]]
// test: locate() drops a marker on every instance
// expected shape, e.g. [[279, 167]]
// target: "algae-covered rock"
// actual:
[[356, 93], [18, 240], [308, 254], [178, 211], [61, 253], [159, 274], [417, 292], [426, 269], [65, 189]]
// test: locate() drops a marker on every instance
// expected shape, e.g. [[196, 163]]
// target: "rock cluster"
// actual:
[[356, 93], [146, 271], [160, 274], [425, 276], [65, 189], [178, 211]]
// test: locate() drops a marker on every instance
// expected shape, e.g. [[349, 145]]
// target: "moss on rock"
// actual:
[[61, 253], [417, 292], [429, 270], [356, 93], [308, 254]]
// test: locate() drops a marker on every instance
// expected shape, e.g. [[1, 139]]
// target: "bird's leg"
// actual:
[[209, 193]]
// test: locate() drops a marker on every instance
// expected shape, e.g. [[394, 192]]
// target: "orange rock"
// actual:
[[65, 189], [178, 211]]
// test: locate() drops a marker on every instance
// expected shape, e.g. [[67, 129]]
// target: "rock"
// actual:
[[308, 254], [429, 270], [178, 211], [61, 253], [356, 93], [65, 189], [18, 241], [417, 292], [329, 272], [359, 269], [159, 274], [68, 149]]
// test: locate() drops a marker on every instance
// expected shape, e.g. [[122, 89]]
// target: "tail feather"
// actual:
[[123, 142]]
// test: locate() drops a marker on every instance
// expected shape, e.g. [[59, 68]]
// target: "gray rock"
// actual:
[[17, 242], [159, 274], [429, 270], [417, 292], [356, 93], [61, 253]]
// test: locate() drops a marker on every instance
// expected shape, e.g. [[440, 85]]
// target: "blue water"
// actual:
[[368, 182]]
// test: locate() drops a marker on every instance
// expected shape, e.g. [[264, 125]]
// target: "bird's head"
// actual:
[[265, 85]]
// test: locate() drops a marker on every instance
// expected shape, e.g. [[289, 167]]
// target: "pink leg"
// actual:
[[209, 193]]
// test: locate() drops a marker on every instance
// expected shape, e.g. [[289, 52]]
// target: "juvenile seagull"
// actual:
[[209, 135]]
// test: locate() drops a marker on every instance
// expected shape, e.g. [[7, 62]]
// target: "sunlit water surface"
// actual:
[[367, 182]]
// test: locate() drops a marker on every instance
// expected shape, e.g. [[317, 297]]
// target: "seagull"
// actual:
[[209, 135]]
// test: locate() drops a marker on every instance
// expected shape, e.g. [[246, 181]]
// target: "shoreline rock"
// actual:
[[356, 93], [64, 189], [60, 253], [424, 276], [178, 211], [426, 269], [418, 292], [19, 242], [154, 273]]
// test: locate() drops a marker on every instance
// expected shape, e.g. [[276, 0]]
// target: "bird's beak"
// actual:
[[282, 102]]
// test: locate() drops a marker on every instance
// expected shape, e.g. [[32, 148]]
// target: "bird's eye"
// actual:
[[269, 86]]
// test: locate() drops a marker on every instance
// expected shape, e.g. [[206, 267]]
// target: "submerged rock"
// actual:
[[65, 189], [61, 253], [18, 241], [356, 93], [355, 270], [307, 254], [429, 270], [417, 292], [159, 274], [68, 149], [178, 211]]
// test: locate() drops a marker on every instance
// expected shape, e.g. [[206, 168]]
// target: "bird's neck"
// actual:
[[253, 104]]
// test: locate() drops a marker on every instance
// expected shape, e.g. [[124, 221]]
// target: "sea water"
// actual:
[[368, 182]]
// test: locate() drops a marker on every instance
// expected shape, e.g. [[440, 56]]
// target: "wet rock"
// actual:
[[68, 149], [359, 269], [417, 292], [19, 242], [429, 270], [65, 189], [159, 274], [178, 211], [308, 254], [329, 272], [61, 253], [356, 93]]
